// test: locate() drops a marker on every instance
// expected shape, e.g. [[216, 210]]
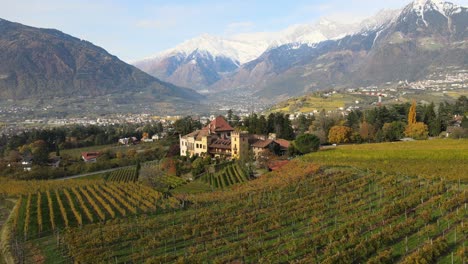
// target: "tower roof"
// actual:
[[219, 124]]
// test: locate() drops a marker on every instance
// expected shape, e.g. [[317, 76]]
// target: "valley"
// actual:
[[305, 212], [257, 132]]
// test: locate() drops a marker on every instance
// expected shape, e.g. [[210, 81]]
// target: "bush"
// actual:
[[459, 132], [305, 144], [417, 131], [340, 134]]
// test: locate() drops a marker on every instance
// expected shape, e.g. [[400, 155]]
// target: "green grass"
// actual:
[[76, 153], [45, 249], [309, 103], [192, 188], [438, 158], [97, 176]]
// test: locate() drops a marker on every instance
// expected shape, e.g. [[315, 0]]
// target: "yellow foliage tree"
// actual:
[[366, 131], [340, 134], [412, 114], [416, 130]]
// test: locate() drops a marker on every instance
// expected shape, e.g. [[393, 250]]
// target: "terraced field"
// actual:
[[41, 213], [128, 174], [334, 215], [230, 175]]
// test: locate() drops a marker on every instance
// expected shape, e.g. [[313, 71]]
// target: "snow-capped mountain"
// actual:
[[239, 50], [264, 60], [382, 19], [408, 44], [311, 34], [202, 61]]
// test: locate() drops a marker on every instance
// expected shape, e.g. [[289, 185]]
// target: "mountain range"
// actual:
[[46, 63], [424, 37]]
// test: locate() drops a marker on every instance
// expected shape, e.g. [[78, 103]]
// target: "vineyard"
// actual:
[[128, 174], [229, 175], [332, 215], [172, 181], [72, 206], [349, 204]]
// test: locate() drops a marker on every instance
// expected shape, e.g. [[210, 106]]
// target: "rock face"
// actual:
[[196, 70], [45, 63]]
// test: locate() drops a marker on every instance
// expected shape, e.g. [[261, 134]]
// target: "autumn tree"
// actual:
[[416, 130], [412, 113], [131, 153], [340, 134], [366, 131]]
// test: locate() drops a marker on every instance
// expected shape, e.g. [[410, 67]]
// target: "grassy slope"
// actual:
[[76, 153], [309, 103], [438, 158]]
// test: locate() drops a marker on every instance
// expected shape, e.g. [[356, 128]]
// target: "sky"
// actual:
[[135, 29]]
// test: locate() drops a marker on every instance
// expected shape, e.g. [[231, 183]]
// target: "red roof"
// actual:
[[90, 155], [221, 144], [198, 134], [262, 143], [219, 124], [283, 143]]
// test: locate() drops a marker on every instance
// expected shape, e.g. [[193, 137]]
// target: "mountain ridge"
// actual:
[[403, 49], [288, 61], [45, 63], [173, 65]]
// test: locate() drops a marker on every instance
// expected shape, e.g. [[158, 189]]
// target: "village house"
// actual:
[[27, 163], [128, 141], [90, 156], [219, 139]]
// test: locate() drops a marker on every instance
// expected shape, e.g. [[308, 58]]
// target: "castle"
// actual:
[[219, 139]]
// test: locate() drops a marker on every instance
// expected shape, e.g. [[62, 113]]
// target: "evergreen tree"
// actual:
[[464, 123], [354, 119]]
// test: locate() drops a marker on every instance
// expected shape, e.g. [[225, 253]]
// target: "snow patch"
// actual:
[[246, 47], [444, 8]]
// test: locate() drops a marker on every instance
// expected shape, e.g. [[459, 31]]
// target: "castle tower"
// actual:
[[240, 145]]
